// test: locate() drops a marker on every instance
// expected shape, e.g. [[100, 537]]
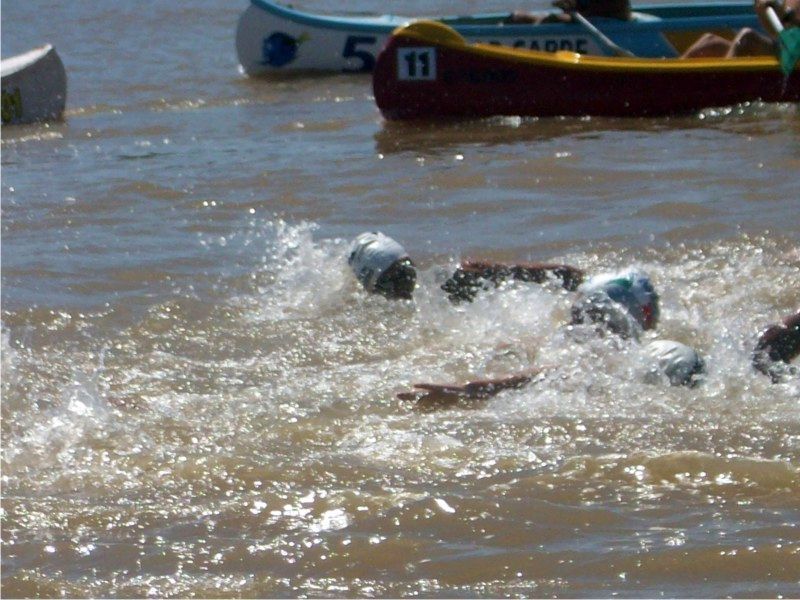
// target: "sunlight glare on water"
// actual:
[[199, 399], [323, 464]]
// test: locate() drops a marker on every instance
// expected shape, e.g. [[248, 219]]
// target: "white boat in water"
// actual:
[[34, 86], [272, 38]]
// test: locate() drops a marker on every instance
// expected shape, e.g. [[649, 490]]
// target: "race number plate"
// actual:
[[416, 64]]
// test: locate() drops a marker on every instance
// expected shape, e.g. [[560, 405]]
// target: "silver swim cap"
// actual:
[[373, 255], [680, 363]]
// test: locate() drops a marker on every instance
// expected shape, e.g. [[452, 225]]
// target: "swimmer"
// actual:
[[679, 363], [384, 267], [776, 347], [623, 303], [626, 304]]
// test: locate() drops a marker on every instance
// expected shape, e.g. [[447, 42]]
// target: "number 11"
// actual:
[[416, 64]]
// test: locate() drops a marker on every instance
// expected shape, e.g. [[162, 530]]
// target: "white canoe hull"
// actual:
[[34, 87], [272, 38], [266, 44]]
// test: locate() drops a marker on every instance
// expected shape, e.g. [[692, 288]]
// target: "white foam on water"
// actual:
[[274, 412], [299, 276], [63, 431], [8, 360], [320, 343]]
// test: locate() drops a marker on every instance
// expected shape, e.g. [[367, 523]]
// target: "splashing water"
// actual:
[[259, 434]]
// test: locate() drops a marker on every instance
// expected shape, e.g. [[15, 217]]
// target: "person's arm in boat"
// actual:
[[748, 42], [522, 17], [610, 9], [788, 13]]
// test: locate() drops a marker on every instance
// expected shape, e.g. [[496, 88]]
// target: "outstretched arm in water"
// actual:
[[473, 275], [435, 395]]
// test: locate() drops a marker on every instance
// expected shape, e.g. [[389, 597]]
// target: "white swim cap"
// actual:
[[677, 361], [371, 254], [631, 289]]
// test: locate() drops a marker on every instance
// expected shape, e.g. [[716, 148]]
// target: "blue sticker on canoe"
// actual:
[[280, 49]]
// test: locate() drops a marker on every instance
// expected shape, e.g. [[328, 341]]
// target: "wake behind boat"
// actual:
[[34, 86], [429, 71], [272, 38]]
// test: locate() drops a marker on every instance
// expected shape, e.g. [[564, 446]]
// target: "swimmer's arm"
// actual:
[[434, 395], [793, 322], [571, 277], [538, 272], [778, 343]]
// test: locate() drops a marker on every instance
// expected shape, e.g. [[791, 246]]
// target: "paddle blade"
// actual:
[[790, 49]]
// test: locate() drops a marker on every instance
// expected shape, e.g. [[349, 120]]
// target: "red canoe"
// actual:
[[427, 70]]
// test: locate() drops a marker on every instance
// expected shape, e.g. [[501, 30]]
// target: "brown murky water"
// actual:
[[199, 401]]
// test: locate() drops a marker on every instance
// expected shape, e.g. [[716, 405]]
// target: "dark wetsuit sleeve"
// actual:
[[778, 343], [471, 277]]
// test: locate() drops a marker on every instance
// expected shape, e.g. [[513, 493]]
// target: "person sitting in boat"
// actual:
[[383, 267], [776, 347], [620, 303], [610, 9], [747, 41]]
